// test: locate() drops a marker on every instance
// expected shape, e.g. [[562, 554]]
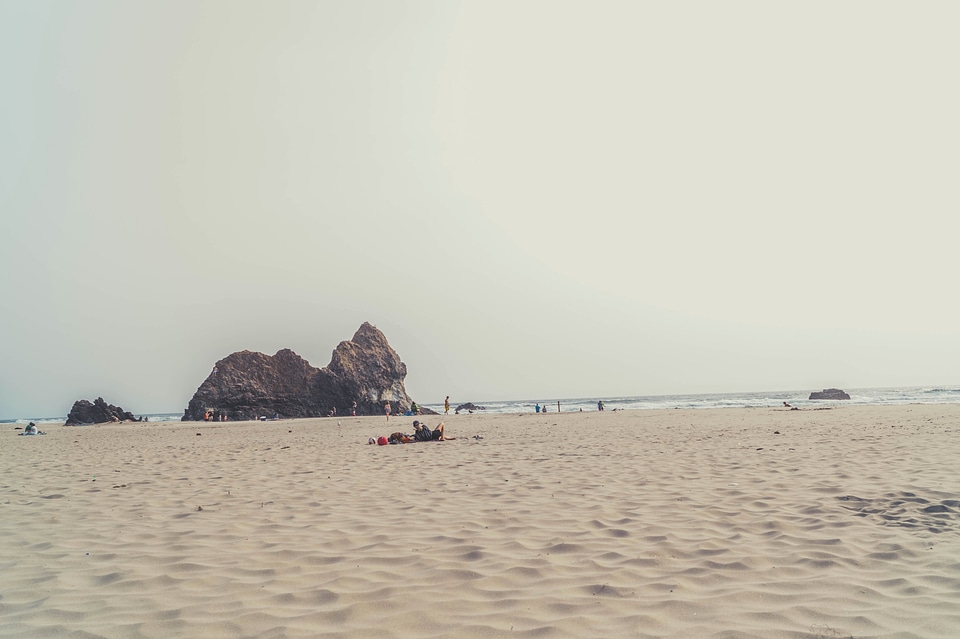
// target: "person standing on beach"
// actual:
[[600, 405], [446, 406], [386, 410]]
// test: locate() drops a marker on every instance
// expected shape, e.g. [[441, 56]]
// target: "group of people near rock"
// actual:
[[422, 433], [388, 410], [353, 411]]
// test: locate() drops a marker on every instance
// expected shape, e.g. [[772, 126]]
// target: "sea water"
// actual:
[[765, 399]]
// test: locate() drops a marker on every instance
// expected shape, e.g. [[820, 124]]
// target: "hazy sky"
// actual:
[[530, 199]]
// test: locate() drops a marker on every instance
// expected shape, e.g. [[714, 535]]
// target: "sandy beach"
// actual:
[[765, 523]]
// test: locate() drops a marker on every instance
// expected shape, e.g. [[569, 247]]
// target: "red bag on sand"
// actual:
[[382, 441]]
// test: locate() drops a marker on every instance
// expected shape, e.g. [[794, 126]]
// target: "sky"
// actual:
[[531, 199]]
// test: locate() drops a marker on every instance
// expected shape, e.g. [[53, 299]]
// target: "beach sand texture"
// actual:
[[680, 523]]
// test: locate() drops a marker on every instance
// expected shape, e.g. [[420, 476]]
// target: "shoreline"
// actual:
[[886, 396], [814, 405], [661, 523]]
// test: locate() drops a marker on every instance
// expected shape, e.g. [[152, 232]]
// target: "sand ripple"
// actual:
[[657, 524]]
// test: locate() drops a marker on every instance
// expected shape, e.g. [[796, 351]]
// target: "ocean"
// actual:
[[947, 394]]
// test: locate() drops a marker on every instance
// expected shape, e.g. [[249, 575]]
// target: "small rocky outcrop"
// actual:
[[829, 393], [469, 407], [96, 412], [364, 372]]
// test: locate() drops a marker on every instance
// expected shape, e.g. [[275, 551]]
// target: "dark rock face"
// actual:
[[469, 406], [248, 385], [98, 412], [829, 393]]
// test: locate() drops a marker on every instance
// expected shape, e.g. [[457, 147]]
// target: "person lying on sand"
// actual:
[[424, 434]]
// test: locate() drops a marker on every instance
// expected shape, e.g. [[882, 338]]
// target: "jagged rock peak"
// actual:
[[368, 350], [370, 335]]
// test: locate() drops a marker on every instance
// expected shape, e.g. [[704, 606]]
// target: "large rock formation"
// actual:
[[248, 385], [98, 412], [829, 393]]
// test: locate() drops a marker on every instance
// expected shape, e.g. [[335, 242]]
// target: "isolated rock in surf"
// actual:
[[469, 407], [96, 412], [829, 393]]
